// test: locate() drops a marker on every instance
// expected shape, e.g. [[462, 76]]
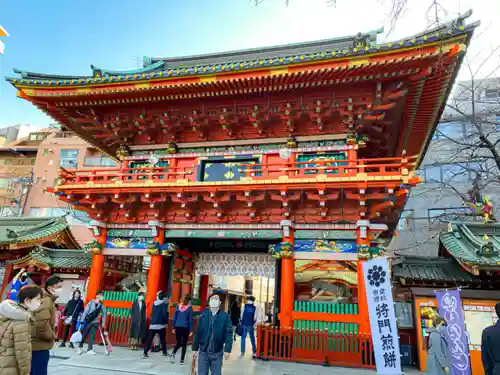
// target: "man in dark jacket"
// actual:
[[213, 338], [158, 324], [490, 347]]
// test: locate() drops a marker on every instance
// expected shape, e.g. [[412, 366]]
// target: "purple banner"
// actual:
[[450, 308]]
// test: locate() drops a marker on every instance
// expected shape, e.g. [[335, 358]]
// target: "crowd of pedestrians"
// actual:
[[28, 327]]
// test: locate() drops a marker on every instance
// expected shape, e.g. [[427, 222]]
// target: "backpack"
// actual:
[[91, 316]]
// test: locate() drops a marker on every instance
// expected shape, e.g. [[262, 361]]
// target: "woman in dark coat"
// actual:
[[138, 330], [73, 310], [235, 313]]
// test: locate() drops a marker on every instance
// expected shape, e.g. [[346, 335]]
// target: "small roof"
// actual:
[[475, 245], [55, 258], [409, 269], [20, 232]]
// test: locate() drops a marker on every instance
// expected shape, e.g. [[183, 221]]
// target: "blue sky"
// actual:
[[66, 36]]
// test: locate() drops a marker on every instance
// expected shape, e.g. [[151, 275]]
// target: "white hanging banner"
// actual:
[[382, 316]]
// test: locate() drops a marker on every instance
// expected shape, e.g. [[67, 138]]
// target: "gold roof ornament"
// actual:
[[450, 228]]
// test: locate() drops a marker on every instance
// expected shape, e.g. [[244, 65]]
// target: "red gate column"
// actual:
[[204, 279], [97, 268], [287, 281], [363, 242], [154, 273]]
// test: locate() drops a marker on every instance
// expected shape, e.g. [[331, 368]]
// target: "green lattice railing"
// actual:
[[329, 308], [120, 296]]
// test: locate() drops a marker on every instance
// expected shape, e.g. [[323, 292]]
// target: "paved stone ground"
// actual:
[[124, 362]]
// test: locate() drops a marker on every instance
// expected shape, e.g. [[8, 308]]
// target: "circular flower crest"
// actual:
[[376, 276]]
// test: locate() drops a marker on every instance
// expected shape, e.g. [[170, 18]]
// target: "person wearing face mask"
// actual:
[[20, 280], [43, 331], [72, 311], [138, 330], [158, 324], [248, 322], [15, 331], [183, 327], [438, 360], [94, 311], [213, 338]]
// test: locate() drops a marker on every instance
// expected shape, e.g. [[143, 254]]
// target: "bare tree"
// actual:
[[467, 142], [397, 8]]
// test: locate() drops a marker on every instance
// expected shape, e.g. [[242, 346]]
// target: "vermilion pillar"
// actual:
[[154, 274], [97, 268], [287, 285], [362, 240], [203, 291]]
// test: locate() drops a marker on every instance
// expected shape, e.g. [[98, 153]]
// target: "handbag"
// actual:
[[68, 320], [239, 329]]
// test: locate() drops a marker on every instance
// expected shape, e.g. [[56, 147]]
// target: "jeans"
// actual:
[[251, 332], [90, 328], [39, 362], [163, 340], [209, 361], [181, 336]]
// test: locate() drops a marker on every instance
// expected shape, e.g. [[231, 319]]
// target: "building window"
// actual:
[[449, 130], [404, 219], [434, 214], [69, 158], [491, 94], [37, 136], [455, 172], [228, 169], [72, 216], [433, 174]]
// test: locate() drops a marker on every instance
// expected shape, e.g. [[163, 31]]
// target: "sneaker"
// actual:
[[71, 346], [91, 352], [79, 351], [242, 354], [172, 358], [144, 356], [182, 361], [62, 345]]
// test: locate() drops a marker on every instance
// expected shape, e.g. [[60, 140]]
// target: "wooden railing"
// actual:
[[315, 347], [380, 167]]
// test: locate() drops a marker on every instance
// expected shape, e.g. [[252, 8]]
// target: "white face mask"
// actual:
[[57, 292], [141, 298], [214, 303], [32, 305], [250, 302]]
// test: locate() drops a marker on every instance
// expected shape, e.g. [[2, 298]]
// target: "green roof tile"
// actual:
[[28, 229], [443, 270], [58, 258], [473, 244]]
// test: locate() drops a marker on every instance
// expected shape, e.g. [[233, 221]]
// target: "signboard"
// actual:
[[382, 316], [325, 250], [450, 308]]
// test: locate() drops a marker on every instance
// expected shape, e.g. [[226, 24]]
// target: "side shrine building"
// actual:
[[262, 162]]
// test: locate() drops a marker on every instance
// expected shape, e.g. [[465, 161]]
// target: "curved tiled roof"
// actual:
[[251, 59], [35, 230], [465, 243], [57, 258]]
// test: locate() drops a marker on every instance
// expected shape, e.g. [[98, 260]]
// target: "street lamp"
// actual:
[[3, 32]]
